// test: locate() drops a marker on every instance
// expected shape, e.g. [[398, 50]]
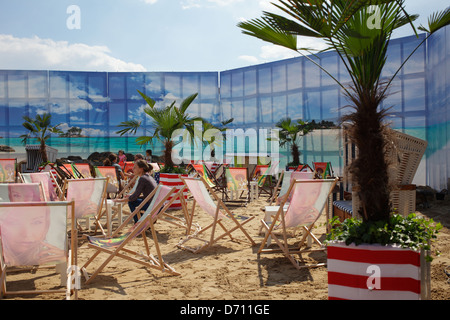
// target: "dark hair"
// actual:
[[107, 162], [149, 152], [138, 156], [112, 157], [143, 165]]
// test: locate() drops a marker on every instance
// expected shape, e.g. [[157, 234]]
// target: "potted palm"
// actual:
[[164, 124], [348, 27], [290, 133], [40, 129]]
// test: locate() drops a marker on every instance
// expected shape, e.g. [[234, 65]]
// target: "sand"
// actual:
[[227, 271]]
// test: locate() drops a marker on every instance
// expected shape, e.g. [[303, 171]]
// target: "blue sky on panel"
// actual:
[[142, 35]]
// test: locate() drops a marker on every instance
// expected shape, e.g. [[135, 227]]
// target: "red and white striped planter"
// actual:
[[376, 272], [172, 180]]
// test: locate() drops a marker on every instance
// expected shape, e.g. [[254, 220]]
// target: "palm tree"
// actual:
[[164, 123], [362, 48], [39, 128], [290, 134]]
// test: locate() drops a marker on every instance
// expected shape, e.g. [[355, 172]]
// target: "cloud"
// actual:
[[46, 54], [150, 1], [189, 4]]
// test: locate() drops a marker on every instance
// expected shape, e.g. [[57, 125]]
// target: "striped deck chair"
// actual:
[[22, 192], [237, 183], [52, 190], [309, 199], [115, 246], [214, 207], [202, 171], [83, 170], [68, 169], [48, 245]]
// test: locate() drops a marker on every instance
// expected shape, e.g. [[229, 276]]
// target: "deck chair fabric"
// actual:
[[115, 246], [90, 199], [35, 234], [202, 171], [209, 202], [237, 182], [309, 199], [7, 170], [114, 183], [83, 170], [22, 192], [51, 193], [288, 177], [323, 169]]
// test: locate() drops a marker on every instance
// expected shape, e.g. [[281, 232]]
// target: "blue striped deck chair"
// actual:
[[115, 246], [223, 219]]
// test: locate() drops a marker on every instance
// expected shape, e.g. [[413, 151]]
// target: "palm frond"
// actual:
[[437, 21]]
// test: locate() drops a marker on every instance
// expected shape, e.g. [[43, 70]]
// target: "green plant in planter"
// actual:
[[360, 36], [164, 122], [40, 128], [290, 134], [411, 232]]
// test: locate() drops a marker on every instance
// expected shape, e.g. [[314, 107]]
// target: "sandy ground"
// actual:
[[229, 270]]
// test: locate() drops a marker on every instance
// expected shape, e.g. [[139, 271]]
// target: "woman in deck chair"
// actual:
[[145, 186]]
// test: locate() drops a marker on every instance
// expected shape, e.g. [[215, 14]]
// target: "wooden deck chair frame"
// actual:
[[3, 173], [278, 223], [70, 276], [100, 211], [220, 182], [217, 221], [153, 213]]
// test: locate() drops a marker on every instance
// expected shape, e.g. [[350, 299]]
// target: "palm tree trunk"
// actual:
[[168, 146], [370, 169], [295, 155], [43, 152]]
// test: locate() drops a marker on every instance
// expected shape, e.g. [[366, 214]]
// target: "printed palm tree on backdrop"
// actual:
[[290, 133], [40, 129], [360, 35], [164, 123]]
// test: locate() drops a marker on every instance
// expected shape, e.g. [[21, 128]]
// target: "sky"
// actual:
[[144, 35]]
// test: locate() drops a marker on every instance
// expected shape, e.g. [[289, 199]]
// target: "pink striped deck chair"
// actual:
[[35, 234], [214, 207], [309, 200], [115, 246]]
